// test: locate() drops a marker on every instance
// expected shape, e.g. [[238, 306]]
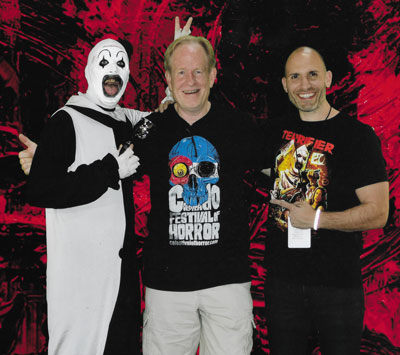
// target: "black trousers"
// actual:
[[123, 336], [293, 310]]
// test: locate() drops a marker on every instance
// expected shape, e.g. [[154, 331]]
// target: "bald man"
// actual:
[[329, 185]]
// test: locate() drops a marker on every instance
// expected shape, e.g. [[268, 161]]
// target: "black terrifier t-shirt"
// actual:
[[323, 163]]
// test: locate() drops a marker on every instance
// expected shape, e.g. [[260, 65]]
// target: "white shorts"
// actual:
[[220, 319]]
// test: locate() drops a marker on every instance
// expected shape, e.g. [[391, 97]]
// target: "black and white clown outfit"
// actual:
[[92, 280]]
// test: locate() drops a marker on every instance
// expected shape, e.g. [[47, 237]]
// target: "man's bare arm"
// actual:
[[371, 213]]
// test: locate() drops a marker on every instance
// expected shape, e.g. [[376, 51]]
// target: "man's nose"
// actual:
[[304, 82], [190, 78]]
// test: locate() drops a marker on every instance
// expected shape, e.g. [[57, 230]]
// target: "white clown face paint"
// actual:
[[107, 73]]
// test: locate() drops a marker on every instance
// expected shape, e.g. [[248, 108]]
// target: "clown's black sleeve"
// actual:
[[50, 184]]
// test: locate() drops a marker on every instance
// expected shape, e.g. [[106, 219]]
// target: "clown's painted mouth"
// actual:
[[112, 84]]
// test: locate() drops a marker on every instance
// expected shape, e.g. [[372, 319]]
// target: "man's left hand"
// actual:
[[301, 213]]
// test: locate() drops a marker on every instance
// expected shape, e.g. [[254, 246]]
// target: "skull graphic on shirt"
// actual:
[[194, 163]]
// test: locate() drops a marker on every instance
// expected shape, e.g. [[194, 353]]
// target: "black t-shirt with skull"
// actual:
[[199, 217]]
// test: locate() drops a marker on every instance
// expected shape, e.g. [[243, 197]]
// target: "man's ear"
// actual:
[[284, 84], [328, 79], [213, 76], [168, 77]]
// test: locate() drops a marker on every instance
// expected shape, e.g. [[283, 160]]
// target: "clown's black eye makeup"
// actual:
[[103, 62], [121, 63]]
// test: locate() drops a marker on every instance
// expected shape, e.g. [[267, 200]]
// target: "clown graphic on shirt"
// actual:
[[301, 173]]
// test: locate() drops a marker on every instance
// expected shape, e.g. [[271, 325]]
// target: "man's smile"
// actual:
[[189, 92], [306, 95]]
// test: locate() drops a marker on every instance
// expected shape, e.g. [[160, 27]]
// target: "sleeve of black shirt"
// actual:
[[266, 133], [50, 184], [369, 166]]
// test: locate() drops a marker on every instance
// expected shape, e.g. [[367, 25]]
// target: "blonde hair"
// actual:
[[203, 42]]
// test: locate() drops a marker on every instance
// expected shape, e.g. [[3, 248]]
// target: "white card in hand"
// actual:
[[298, 238]]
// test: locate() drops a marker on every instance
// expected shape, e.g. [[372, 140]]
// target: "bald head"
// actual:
[[304, 52]]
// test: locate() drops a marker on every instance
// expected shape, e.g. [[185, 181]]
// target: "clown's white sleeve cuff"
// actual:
[[169, 96]]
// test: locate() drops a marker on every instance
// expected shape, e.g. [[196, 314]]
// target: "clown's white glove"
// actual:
[[185, 31], [127, 163]]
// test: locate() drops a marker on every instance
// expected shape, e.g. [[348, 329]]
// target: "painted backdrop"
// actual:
[[43, 48]]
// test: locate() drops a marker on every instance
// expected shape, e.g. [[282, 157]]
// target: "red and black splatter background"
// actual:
[[44, 45]]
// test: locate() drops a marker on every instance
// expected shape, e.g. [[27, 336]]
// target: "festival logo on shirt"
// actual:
[[301, 173], [194, 197]]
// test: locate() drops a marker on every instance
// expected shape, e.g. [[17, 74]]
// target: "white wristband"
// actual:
[[316, 219]]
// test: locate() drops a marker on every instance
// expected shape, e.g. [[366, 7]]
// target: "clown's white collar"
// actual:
[[82, 100]]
